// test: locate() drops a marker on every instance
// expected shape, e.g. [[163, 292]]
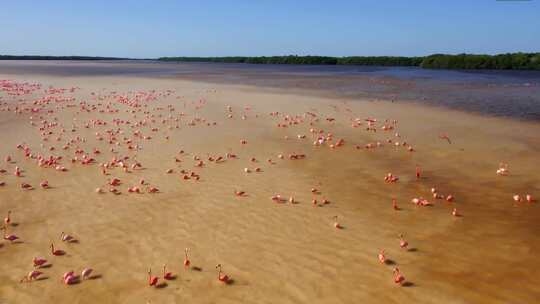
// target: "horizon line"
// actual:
[[253, 56]]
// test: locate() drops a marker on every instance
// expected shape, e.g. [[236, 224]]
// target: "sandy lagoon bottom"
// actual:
[[274, 252]]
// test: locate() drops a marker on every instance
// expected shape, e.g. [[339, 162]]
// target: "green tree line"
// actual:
[[510, 61], [515, 61], [291, 59]]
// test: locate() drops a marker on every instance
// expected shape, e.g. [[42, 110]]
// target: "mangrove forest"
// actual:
[[510, 61]]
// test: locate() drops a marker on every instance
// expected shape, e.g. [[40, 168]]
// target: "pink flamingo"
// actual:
[[398, 277], [390, 178], [85, 274], [66, 237], [44, 184], [9, 237], [382, 258], [7, 219], [32, 275], [114, 182], [221, 276], [70, 278], [455, 212], [56, 252], [186, 259], [38, 262], [134, 189], [394, 204], [445, 136], [402, 242], [152, 280], [239, 193], [336, 224], [167, 275], [503, 169], [68, 274]]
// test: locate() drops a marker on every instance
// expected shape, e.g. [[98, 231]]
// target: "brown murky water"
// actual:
[[274, 252]]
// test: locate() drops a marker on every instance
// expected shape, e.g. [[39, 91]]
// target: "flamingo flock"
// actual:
[[69, 278], [64, 148], [153, 281]]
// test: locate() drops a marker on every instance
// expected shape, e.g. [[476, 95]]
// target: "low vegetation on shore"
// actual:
[[511, 61], [515, 61], [292, 59]]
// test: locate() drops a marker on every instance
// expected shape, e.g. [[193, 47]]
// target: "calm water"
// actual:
[[513, 94]]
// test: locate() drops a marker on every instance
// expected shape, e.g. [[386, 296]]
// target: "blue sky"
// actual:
[[147, 29]]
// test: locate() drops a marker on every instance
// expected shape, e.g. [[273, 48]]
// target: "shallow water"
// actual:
[[276, 253], [514, 94]]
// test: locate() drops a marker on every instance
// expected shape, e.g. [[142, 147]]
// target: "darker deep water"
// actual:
[[514, 94]]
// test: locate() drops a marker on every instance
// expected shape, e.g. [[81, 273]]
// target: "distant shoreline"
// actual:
[[509, 61], [39, 57]]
